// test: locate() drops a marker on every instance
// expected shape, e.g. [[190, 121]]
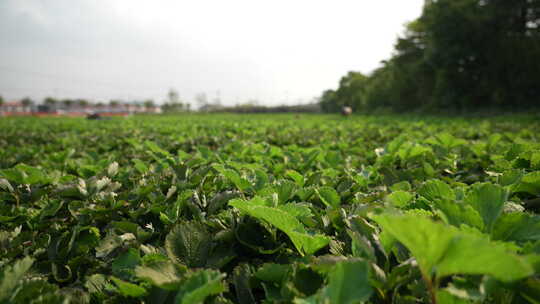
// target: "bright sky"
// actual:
[[276, 52]]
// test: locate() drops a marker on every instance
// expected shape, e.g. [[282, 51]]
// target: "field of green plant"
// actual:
[[270, 209]]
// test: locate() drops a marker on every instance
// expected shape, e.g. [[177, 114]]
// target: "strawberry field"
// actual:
[[270, 209]]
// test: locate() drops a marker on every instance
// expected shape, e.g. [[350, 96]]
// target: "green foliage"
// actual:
[[400, 198], [162, 274], [200, 285], [488, 200], [454, 57], [286, 221], [189, 243], [241, 209], [443, 250], [348, 282], [329, 196], [127, 289], [12, 276]]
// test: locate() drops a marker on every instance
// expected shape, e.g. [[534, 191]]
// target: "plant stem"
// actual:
[[431, 288]]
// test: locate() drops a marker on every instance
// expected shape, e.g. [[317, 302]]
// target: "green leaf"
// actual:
[[126, 262], [305, 243], [32, 176], [488, 200], [240, 182], [308, 243], [305, 193], [52, 207], [261, 180], [296, 210], [329, 196], [96, 283], [128, 289], [457, 214], [297, 177], [517, 227], [348, 283], [199, 286], [24, 174], [510, 177], [271, 272], [530, 183], [39, 291], [400, 198], [475, 254], [436, 189], [444, 250], [285, 191], [189, 243], [361, 246], [445, 297], [152, 146], [13, 175], [162, 274], [535, 161], [403, 186], [108, 245], [426, 239], [449, 141], [12, 276], [140, 166]]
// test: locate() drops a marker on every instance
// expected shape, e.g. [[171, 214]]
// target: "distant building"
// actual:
[[17, 108]]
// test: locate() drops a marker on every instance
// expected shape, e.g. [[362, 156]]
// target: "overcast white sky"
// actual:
[[274, 51]]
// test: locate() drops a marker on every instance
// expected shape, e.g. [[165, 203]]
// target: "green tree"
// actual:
[[82, 102], [50, 101], [27, 102], [149, 103], [68, 103], [459, 55], [173, 103], [351, 93]]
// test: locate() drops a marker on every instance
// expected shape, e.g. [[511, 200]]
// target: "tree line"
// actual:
[[459, 55]]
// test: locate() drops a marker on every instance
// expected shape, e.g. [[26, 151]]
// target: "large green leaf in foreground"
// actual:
[[444, 250], [304, 242]]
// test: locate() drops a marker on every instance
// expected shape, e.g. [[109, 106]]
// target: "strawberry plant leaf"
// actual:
[[189, 243], [199, 286], [400, 198], [444, 250], [11, 277], [348, 283], [329, 196], [128, 289], [488, 199], [305, 243], [436, 189], [162, 274]]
